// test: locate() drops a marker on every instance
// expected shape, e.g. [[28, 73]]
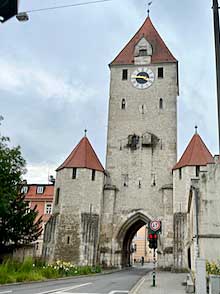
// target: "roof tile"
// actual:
[[83, 155], [196, 153], [160, 51]]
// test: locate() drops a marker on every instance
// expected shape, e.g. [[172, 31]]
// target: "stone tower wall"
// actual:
[[181, 187], [77, 216], [139, 176]]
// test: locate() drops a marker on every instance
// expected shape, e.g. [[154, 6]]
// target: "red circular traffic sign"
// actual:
[[155, 225]]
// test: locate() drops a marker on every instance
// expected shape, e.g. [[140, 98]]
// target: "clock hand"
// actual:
[[140, 77]]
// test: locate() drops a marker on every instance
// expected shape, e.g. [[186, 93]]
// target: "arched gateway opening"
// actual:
[[126, 235]]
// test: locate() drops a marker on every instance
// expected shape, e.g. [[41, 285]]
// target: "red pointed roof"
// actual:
[[83, 155], [196, 153], [160, 51]]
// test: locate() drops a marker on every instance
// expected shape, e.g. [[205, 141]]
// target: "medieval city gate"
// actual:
[[136, 184]]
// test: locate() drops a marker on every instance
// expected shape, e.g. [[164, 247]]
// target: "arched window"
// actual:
[[123, 104], [161, 103]]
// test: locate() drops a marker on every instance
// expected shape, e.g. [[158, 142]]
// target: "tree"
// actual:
[[18, 223]]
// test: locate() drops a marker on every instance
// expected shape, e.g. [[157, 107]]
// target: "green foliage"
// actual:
[[212, 268], [17, 220], [32, 270]]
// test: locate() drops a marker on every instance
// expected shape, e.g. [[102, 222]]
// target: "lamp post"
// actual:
[[217, 56]]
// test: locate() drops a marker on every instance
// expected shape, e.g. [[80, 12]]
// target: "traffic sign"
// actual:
[[155, 225]]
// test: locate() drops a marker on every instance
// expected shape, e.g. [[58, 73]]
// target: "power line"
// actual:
[[65, 6]]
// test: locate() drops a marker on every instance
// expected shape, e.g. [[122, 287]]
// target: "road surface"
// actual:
[[115, 283]]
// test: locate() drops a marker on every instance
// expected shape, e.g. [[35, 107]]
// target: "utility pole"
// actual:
[[217, 54]]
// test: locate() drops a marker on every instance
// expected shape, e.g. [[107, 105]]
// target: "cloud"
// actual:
[[18, 78], [39, 173]]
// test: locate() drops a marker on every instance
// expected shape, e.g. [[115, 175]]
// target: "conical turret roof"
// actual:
[[195, 154], [160, 51], [84, 156]]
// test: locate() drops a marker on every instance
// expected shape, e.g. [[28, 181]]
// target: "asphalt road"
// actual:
[[115, 283]]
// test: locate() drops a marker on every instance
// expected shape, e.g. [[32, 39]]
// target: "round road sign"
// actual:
[[155, 225]]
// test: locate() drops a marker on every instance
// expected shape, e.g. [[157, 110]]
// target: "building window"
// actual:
[[40, 190], [143, 52], [93, 175], [139, 185], [123, 104], [133, 141], [74, 173], [180, 173], [48, 208], [24, 190], [161, 103], [197, 170], [57, 197], [68, 240], [124, 74], [125, 180], [160, 72]]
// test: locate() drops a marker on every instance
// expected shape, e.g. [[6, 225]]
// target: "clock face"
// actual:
[[142, 78]]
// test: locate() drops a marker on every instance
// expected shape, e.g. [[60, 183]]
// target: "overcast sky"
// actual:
[[54, 75]]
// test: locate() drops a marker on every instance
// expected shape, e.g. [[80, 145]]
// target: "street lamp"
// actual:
[[217, 55], [22, 16]]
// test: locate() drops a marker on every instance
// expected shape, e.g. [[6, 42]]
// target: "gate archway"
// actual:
[[127, 233]]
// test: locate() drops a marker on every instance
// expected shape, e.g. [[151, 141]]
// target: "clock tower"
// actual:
[[141, 147]]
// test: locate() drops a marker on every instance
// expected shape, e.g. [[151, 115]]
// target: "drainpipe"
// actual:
[[197, 220]]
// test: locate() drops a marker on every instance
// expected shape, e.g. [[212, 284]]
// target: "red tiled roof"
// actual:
[[83, 155], [32, 191], [160, 51], [196, 153]]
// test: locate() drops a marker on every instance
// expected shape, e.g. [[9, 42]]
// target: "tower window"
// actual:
[[143, 52], [160, 72], [40, 190], [57, 197], [161, 103], [197, 170], [180, 173], [74, 173], [93, 175], [123, 104], [125, 180], [124, 74], [68, 239]]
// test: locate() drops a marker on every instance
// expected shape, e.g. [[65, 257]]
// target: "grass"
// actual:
[[12, 271]]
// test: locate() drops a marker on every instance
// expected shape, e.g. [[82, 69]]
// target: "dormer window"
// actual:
[[24, 190], [40, 190], [143, 52]]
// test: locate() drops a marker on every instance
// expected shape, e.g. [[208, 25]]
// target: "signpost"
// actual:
[[154, 229]]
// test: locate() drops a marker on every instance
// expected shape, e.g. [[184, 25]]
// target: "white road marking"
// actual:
[[140, 284], [117, 291], [64, 289], [4, 292]]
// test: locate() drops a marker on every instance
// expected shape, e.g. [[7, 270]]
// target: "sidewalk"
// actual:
[[166, 283]]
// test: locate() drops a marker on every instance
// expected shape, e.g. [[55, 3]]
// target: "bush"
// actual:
[[34, 270], [212, 268]]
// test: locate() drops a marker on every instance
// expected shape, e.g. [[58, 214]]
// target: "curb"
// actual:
[[64, 278]]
